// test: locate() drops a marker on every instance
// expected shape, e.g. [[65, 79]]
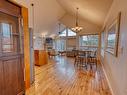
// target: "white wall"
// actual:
[[46, 16], [116, 67]]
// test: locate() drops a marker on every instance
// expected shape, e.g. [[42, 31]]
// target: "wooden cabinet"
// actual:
[[1, 78], [11, 57], [14, 79], [41, 57]]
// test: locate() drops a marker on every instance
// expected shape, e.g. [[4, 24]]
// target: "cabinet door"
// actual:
[[1, 79], [13, 76]]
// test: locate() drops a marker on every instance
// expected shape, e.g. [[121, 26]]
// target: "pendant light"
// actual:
[[77, 28]]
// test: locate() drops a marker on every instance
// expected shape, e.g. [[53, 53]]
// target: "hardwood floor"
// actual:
[[60, 77]]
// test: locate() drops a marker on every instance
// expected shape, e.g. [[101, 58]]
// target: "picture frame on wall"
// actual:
[[113, 36]]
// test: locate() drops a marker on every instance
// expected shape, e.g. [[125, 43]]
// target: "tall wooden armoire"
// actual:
[[11, 50]]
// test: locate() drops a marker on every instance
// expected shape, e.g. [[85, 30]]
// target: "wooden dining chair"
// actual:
[[79, 59], [92, 59]]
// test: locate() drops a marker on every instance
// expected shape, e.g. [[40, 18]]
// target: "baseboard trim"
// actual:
[[107, 79]]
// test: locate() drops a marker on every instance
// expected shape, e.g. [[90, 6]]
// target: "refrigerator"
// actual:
[[32, 68]]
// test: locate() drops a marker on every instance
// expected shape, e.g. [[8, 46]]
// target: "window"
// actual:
[[71, 33], [63, 33], [60, 44], [102, 43], [89, 40], [7, 37]]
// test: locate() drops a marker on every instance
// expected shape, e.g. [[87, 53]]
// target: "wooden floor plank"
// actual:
[[60, 77]]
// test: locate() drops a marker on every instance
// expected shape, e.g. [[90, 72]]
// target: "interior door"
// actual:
[[11, 58]]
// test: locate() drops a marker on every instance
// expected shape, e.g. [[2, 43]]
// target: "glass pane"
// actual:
[[60, 44], [85, 40], [7, 37], [102, 43], [63, 33], [71, 33], [7, 48], [90, 40]]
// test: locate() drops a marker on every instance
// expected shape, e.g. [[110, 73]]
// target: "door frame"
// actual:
[[25, 25]]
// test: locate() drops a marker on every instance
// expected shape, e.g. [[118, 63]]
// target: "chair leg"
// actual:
[[82, 62], [91, 66], [96, 64], [86, 65], [75, 62]]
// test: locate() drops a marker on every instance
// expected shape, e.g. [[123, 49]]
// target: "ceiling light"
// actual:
[[77, 28], [34, 37]]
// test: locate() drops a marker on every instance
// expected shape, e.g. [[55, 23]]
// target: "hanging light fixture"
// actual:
[[77, 28], [59, 28]]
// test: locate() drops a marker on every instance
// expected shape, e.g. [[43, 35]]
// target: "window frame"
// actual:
[[81, 45]]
